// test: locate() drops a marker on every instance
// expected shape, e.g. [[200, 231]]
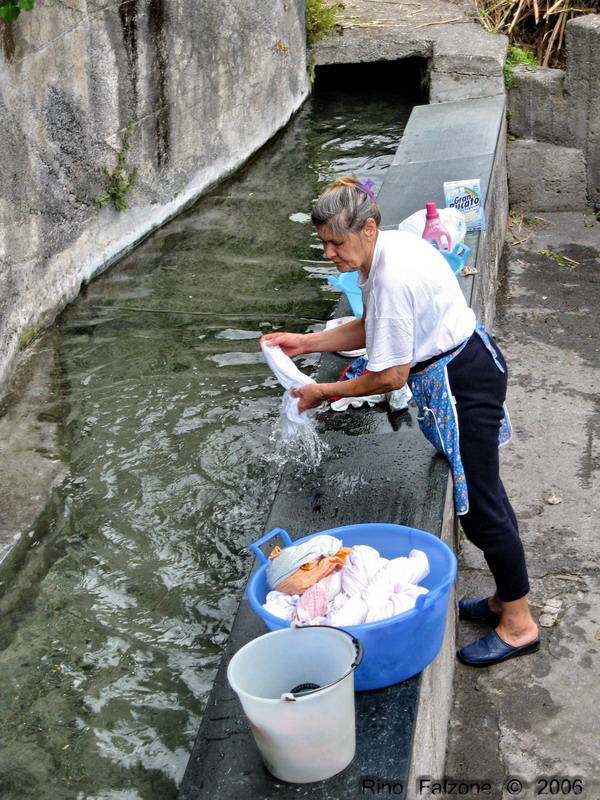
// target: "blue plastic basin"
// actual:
[[394, 648]]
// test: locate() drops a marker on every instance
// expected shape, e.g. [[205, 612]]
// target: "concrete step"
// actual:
[[559, 183]]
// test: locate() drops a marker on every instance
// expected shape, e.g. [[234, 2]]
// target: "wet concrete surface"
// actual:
[[532, 718]]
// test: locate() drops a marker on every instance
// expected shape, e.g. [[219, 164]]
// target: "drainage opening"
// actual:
[[407, 78]]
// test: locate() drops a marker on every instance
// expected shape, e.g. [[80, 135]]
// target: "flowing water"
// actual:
[[166, 410]]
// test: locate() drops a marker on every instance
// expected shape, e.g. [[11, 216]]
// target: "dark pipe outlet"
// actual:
[[406, 78]]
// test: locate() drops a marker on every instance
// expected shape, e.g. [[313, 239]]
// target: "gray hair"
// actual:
[[345, 206]]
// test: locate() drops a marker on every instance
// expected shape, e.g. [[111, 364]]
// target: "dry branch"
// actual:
[[538, 25]]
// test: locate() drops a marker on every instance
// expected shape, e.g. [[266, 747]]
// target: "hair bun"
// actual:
[[346, 205], [348, 181]]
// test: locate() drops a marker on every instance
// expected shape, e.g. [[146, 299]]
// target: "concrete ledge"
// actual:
[[489, 244], [583, 64], [559, 180], [537, 105], [559, 108], [441, 142], [467, 63], [379, 468], [433, 151]]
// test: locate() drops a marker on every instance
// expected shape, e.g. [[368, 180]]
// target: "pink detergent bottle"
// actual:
[[434, 232]]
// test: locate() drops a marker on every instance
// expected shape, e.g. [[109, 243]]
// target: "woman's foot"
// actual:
[[478, 610], [516, 627], [516, 632], [491, 649]]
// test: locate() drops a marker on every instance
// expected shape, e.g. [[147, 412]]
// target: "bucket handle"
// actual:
[[255, 547], [358, 657]]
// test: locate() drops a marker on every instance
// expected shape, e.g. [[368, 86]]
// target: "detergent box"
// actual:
[[465, 196]]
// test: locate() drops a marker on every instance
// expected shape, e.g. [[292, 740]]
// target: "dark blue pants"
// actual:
[[480, 389]]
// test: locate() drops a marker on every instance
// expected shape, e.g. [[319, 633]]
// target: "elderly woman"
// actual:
[[418, 329]]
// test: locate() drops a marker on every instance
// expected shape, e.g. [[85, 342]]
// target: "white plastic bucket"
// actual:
[[303, 733]]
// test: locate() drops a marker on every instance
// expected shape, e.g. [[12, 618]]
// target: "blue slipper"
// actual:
[[492, 650], [477, 611]]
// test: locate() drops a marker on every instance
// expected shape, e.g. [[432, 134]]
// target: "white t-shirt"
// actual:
[[414, 307]]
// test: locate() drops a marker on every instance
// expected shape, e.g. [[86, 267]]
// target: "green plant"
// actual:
[[520, 218], [9, 11], [121, 178], [531, 221], [517, 55], [320, 21]]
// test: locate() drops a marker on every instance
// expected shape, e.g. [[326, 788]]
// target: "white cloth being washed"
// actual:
[[368, 588], [289, 376], [344, 403]]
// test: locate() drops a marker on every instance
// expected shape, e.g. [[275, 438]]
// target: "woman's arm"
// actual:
[[350, 336], [313, 394]]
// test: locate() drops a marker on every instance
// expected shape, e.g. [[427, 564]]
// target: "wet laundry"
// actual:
[[354, 370], [344, 403], [396, 399], [290, 377], [367, 588]]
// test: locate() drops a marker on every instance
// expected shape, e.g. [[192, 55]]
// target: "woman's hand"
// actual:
[[309, 396], [350, 336], [292, 344]]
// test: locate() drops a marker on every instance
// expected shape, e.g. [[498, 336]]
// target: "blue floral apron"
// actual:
[[437, 414]]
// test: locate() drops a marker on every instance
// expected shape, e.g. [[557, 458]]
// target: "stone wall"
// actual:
[[205, 84], [556, 115]]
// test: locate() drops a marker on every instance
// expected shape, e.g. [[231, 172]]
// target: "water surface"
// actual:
[[165, 411]]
